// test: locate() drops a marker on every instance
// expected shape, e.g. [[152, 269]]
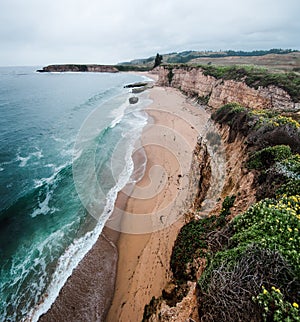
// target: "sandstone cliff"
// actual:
[[217, 92], [179, 302], [79, 68]]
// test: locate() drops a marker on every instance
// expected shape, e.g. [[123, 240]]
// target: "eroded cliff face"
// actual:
[[239, 182], [217, 92]]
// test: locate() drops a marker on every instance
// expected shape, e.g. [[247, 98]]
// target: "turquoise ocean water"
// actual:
[[44, 228]]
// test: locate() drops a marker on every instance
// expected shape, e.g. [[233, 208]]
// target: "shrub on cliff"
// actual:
[[192, 241], [290, 188], [279, 172], [275, 307], [234, 285], [262, 251], [266, 157], [227, 112], [261, 128]]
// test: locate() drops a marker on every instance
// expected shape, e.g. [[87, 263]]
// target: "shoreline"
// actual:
[[94, 277], [71, 302]]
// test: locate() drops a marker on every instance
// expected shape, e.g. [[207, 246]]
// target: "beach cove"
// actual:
[[122, 272]]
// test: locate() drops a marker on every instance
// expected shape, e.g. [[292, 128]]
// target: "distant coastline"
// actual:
[[94, 68], [78, 68]]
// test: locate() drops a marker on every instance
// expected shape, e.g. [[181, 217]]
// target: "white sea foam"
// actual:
[[38, 154], [58, 139], [118, 114], [3, 164], [43, 206], [147, 79], [40, 182], [80, 247], [24, 160], [21, 268], [49, 165]]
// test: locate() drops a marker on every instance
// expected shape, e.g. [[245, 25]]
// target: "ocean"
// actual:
[[59, 175]]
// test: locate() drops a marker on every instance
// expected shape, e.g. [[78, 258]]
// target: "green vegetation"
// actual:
[[272, 119], [149, 309], [203, 99], [188, 55], [262, 244], [281, 310], [290, 166], [261, 128], [266, 157], [226, 205], [290, 188], [191, 243], [261, 249], [272, 224], [227, 112], [255, 77], [192, 240], [134, 68]]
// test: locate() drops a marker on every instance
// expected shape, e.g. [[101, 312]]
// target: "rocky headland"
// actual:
[[79, 68]]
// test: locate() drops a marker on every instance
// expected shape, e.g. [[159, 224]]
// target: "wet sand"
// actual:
[[86, 296]]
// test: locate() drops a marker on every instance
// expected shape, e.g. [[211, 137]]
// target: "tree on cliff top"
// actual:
[[158, 60]]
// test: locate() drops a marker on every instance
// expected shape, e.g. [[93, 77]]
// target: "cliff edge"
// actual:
[[217, 86]]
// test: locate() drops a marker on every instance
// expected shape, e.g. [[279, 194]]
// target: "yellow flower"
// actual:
[[276, 289], [265, 291], [290, 229], [295, 305]]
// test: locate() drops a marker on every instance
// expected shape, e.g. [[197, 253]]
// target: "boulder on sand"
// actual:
[[133, 100]]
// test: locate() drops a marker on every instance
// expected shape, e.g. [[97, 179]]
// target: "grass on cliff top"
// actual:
[[133, 68], [255, 77]]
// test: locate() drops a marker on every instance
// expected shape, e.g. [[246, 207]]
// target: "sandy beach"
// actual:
[[143, 265], [130, 261]]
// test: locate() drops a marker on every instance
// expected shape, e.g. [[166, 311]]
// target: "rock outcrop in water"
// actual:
[[217, 92], [79, 68]]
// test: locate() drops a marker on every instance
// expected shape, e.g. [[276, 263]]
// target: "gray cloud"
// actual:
[[37, 32]]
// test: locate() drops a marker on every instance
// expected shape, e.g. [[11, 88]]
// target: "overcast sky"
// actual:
[[42, 32]]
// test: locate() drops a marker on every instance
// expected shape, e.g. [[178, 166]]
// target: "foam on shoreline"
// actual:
[[76, 252], [135, 265]]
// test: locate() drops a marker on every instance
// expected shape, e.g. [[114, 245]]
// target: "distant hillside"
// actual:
[[277, 59]]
